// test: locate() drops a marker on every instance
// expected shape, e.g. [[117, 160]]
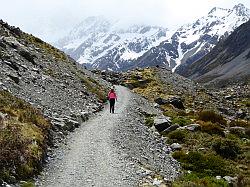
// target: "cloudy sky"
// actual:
[[51, 19]]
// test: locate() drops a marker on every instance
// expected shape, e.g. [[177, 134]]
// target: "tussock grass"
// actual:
[[23, 136]]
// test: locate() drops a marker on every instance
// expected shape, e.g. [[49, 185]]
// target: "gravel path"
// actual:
[[95, 156]]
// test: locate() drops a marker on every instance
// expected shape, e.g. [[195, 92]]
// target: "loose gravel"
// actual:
[[112, 150]]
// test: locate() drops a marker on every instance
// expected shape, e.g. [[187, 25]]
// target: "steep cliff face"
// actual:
[[228, 61]]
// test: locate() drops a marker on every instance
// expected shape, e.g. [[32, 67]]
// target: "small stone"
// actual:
[[230, 179], [218, 177], [191, 127], [176, 146]]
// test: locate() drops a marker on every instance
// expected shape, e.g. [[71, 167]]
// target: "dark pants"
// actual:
[[112, 105]]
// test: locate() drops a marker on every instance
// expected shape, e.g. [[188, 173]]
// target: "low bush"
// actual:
[[149, 121], [192, 180], [208, 115], [212, 128], [23, 139], [226, 148], [203, 164], [177, 136], [182, 121], [239, 123]]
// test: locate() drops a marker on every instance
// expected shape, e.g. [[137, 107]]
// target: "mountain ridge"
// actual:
[[227, 61], [170, 48]]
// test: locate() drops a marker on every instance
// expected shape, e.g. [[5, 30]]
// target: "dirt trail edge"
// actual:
[[96, 156]]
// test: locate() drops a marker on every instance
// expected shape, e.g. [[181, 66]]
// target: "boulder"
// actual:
[[171, 128], [177, 103], [161, 123], [191, 127], [161, 101], [176, 146]]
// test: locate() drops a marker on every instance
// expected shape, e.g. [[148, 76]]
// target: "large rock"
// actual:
[[177, 103], [162, 123], [171, 128], [161, 101]]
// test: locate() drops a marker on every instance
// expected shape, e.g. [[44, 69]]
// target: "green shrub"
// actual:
[[149, 121], [178, 155], [177, 136], [226, 148], [192, 180], [27, 184], [239, 133], [182, 121], [212, 128], [19, 156], [239, 123], [208, 115], [203, 164]]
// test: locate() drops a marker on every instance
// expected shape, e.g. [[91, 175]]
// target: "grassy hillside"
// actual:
[[23, 138]]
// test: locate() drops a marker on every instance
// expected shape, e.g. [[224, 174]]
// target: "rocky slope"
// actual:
[[99, 43], [46, 77], [49, 80], [228, 62]]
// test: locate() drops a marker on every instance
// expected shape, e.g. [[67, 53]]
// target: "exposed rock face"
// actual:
[[47, 78], [228, 62]]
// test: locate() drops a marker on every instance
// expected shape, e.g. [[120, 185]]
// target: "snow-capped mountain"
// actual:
[[228, 62], [192, 41], [102, 44]]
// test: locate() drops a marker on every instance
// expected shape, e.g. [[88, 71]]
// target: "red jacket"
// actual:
[[112, 95]]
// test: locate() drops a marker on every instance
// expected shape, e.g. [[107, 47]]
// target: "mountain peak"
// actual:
[[241, 10], [217, 11], [240, 5]]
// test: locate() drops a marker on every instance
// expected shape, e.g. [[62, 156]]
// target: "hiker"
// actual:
[[112, 98]]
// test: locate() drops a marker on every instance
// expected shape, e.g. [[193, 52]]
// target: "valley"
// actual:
[[181, 118]]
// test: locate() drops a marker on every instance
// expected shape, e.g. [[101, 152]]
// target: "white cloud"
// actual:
[[50, 19]]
